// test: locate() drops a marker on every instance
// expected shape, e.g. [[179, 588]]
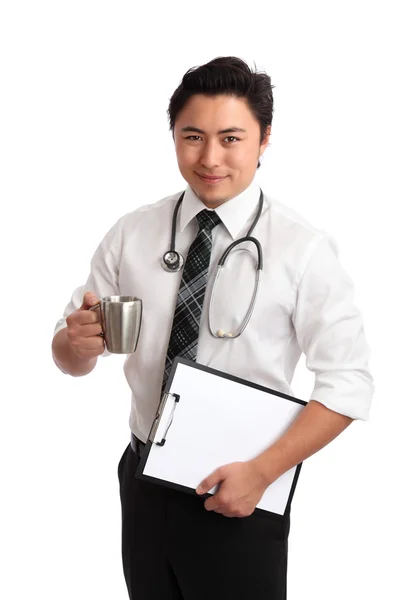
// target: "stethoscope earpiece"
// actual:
[[221, 334]]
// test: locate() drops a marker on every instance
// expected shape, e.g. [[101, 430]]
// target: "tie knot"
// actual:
[[208, 219]]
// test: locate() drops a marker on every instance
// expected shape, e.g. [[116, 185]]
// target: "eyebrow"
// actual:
[[229, 130]]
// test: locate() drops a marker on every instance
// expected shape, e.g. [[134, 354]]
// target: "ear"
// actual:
[[265, 140]]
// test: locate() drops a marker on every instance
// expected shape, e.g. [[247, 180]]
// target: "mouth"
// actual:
[[210, 179]]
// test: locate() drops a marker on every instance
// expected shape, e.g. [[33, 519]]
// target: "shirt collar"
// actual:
[[234, 213]]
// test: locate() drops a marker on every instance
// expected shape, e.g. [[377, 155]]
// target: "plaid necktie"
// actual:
[[185, 326]]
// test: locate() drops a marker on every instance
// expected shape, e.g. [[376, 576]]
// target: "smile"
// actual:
[[211, 179]]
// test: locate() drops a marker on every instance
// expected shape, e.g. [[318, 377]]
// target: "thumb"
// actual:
[[209, 482], [89, 299]]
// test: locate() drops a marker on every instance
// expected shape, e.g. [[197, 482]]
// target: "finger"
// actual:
[[219, 510], [88, 316], [210, 481], [214, 502], [89, 299], [89, 330], [86, 344], [222, 511]]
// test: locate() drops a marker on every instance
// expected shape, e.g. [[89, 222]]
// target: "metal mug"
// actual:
[[121, 319]]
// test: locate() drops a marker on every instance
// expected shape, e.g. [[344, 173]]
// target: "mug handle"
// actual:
[[93, 308]]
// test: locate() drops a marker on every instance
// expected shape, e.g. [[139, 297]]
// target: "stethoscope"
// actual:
[[172, 261]]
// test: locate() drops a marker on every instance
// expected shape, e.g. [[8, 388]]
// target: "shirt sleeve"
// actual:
[[330, 332], [103, 279]]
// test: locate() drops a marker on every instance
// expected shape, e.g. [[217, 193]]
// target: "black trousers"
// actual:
[[174, 549]]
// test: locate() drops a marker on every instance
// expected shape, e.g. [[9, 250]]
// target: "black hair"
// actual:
[[227, 75]]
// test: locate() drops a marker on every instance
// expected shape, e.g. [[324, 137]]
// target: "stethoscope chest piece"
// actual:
[[172, 261]]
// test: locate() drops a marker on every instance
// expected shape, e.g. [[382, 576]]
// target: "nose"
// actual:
[[211, 155]]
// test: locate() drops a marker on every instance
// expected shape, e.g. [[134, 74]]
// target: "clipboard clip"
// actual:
[[158, 416]]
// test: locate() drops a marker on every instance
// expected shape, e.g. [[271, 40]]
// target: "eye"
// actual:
[[230, 137]]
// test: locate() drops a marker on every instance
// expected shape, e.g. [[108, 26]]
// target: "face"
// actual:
[[218, 136]]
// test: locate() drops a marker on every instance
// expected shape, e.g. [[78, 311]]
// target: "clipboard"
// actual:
[[208, 418]]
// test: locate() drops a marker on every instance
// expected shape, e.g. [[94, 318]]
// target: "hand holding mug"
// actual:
[[84, 330]]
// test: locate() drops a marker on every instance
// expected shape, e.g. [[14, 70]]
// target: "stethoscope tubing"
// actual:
[[247, 238], [248, 314], [177, 264]]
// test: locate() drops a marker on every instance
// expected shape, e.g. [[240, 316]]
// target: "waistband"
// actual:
[[136, 444]]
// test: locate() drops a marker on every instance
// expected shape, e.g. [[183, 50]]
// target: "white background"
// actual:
[[84, 139]]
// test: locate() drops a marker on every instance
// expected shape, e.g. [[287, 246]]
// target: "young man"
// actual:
[[175, 545]]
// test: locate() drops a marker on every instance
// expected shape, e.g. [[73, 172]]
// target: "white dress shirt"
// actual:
[[304, 304]]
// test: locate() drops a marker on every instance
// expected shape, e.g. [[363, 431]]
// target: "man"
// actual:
[[176, 545]]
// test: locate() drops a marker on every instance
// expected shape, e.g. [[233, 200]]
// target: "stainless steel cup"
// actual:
[[121, 319]]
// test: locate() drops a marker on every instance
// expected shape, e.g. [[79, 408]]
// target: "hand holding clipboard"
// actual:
[[208, 419], [239, 488]]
